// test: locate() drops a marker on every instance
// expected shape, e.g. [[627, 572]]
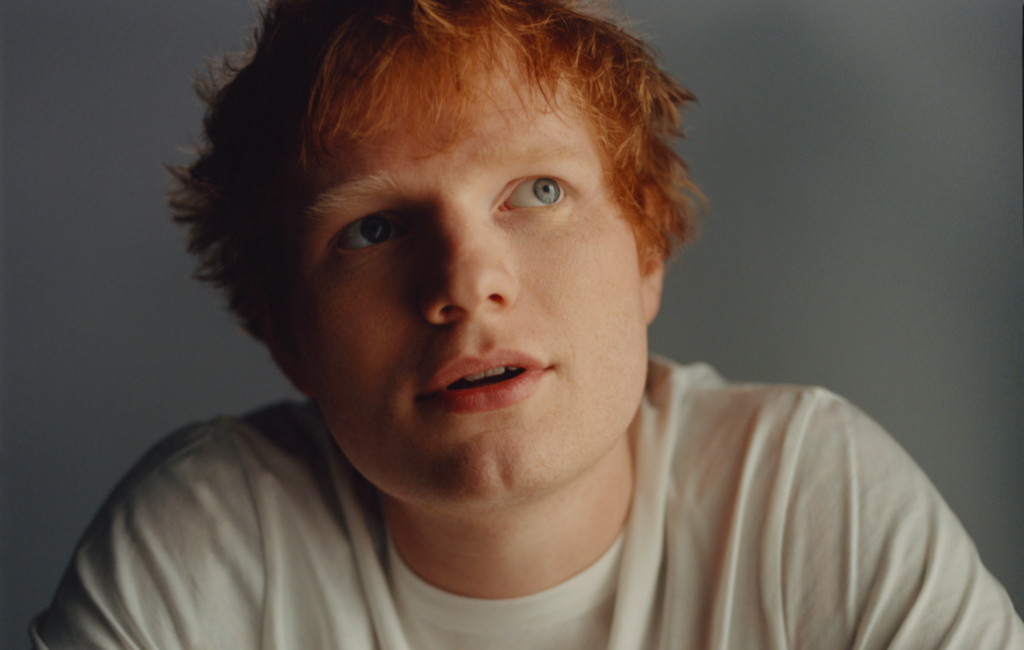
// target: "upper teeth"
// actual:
[[500, 370]]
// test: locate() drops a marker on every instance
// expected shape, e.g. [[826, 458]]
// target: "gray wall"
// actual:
[[863, 161]]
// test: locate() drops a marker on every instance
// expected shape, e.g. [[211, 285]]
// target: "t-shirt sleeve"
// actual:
[[172, 560], [864, 551]]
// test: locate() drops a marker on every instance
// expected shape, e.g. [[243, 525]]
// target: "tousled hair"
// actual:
[[323, 74]]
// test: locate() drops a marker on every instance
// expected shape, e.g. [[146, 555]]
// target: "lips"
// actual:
[[486, 378], [468, 384]]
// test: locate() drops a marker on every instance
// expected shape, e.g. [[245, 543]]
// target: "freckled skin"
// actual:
[[470, 274]]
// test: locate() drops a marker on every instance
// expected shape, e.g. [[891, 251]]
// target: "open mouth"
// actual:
[[486, 378]]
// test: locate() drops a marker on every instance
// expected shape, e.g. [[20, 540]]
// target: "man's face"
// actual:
[[472, 320]]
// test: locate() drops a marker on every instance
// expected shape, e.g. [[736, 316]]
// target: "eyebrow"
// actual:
[[341, 196], [515, 151]]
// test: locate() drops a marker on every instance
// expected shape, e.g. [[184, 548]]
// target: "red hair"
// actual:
[[326, 73]]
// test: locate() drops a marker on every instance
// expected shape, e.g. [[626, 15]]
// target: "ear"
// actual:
[[652, 278], [286, 355], [652, 259]]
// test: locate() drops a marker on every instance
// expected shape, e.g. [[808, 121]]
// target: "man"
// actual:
[[448, 221]]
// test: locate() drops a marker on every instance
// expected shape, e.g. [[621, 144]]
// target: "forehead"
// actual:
[[506, 123]]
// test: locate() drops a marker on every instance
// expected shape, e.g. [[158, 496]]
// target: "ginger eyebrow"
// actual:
[[342, 196]]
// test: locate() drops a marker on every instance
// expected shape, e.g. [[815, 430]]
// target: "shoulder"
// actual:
[[774, 424], [177, 552], [207, 471], [798, 507], [801, 455]]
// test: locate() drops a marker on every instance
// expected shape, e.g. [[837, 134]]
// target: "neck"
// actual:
[[521, 549]]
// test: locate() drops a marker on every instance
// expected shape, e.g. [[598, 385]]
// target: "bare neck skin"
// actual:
[[525, 548]]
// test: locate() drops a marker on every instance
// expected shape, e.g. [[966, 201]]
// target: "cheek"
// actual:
[[346, 336], [607, 275], [594, 293], [351, 351]]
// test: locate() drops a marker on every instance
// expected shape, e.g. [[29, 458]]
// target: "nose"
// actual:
[[469, 271]]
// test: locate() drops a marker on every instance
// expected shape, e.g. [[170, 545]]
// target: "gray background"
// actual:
[[863, 161]]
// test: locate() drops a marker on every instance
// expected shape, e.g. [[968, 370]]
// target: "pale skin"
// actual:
[[417, 267]]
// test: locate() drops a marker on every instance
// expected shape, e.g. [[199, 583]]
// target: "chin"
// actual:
[[486, 473], [495, 471]]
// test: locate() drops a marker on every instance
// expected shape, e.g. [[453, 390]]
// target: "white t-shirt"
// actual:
[[764, 517], [574, 614]]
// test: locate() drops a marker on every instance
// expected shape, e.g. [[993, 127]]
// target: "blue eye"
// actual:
[[368, 231], [535, 193]]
